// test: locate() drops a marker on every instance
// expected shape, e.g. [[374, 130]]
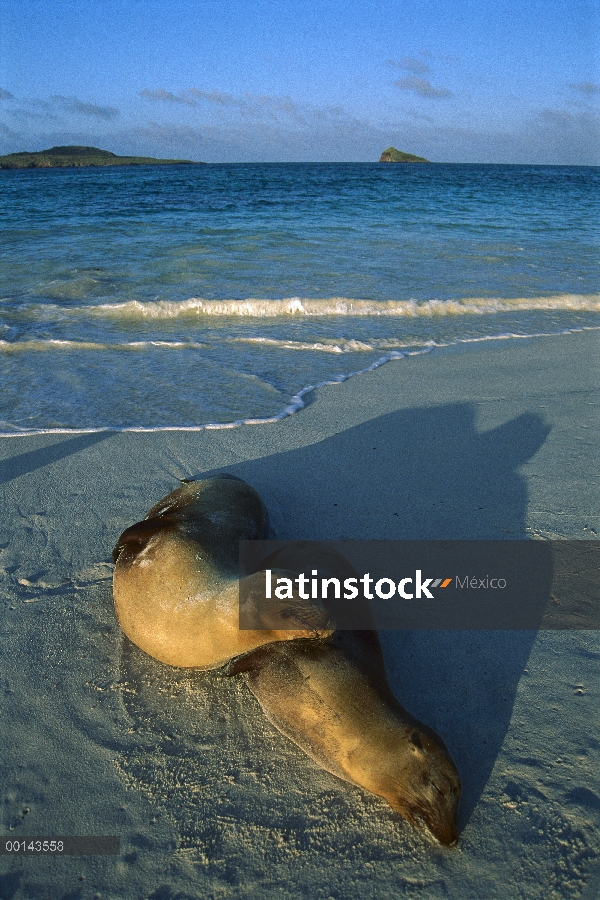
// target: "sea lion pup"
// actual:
[[176, 579], [333, 700]]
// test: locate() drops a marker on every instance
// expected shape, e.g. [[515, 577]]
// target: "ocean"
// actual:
[[193, 296]]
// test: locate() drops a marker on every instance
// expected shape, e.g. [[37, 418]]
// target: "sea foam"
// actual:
[[253, 308]]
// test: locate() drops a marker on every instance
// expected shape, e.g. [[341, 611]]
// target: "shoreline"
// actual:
[[297, 402], [493, 440]]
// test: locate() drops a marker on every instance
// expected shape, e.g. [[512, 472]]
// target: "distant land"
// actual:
[[62, 157], [392, 155]]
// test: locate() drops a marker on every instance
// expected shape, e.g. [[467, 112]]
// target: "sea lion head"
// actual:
[[430, 786], [176, 583]]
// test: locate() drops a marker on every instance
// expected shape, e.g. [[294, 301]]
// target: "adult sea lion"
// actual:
[[333, 700], [176, 579]]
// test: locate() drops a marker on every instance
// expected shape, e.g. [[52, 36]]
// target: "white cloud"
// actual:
[[421, 87], [589, 88], [78, 107], [219, 97], [411, 64], [258, 106], [167, 96], [558, 117]]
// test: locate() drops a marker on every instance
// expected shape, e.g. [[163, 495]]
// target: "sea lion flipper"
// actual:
[[249, 662], [303, 616], [237, 666]]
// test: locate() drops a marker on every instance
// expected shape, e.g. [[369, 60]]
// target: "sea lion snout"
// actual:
[[430, 788], [136, 539], [432, 808]]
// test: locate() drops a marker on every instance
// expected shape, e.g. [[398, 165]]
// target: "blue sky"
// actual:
[[454, 81]]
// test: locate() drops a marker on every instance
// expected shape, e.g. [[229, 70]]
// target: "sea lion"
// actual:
[[333, 700], [176, 596], [176, 579]]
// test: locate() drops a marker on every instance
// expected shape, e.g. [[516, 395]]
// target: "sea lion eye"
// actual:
[[416, 740]]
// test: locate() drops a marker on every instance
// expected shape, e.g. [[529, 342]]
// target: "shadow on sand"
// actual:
[[23, 463], [421, 474]]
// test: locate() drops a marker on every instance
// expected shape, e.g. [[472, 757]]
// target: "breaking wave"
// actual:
[[57, 344], [332, 306]]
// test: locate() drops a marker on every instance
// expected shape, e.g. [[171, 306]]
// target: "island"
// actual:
[[391, 155], [71, 156]]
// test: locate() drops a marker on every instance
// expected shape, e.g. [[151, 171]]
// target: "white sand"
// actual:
[[482, 441]]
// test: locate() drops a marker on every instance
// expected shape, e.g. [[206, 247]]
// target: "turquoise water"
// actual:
[[181, 296]]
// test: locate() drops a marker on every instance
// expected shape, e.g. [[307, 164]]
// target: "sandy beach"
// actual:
[[496, 439]]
